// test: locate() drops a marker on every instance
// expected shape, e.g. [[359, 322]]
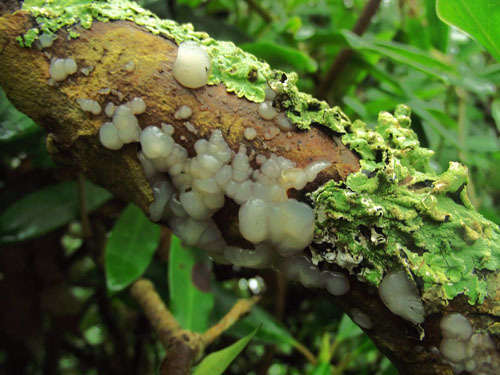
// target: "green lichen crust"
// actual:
[[241, 72], [396, 212]]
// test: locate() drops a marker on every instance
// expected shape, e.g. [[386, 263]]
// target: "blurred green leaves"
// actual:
[[47, 209], [189, 274], [479, 18], [129, 248], [281, 56]]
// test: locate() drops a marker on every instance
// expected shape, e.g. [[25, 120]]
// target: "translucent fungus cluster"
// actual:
[[124, 127], [361, 319], [188, 191], [89, 105], [401, 296], [192, 65], [465, 350], [60, 69]]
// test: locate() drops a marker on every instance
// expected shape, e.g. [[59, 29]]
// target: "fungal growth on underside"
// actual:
[[465, 350]]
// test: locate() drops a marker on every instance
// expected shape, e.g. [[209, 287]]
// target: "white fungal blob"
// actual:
[[453, 350], [361, 319], [455, 326], [284, 123], [137, 106], [86, 70], [46, 40], [300, 268], [109, 109], [70, 66], [270, 94], [183, 112], [261, 257], [60, 68], [254, 220], [162, 191], [108, 135], [400, 296], [335, 283], [192, 65], [89, 105], [266, 110], [291, 226], [250, 133], [127, 125], [155, 143], [464, 351], [130, 66]]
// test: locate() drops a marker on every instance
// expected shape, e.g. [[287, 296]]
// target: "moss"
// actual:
[[399, 214]]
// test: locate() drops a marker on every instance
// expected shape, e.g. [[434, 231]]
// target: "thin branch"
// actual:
[[345, 54], [161, 319], [240, 308]]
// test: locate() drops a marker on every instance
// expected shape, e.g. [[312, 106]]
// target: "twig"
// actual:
[[82, 200], [161, 319], [345, 54], [240, 308]]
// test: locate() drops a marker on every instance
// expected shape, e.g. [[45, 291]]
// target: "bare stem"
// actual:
[[240, 308], [157, 313]]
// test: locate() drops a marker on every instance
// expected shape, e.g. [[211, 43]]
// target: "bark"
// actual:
[[72, 139]]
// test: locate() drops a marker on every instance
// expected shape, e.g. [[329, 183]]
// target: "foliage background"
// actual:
[[64, 280]]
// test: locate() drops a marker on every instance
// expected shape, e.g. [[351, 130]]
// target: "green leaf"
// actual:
[[271, 331], [14, 124], [423, 61], [130, 248], [324, 357], [191, 298], [217, 362], [438, 31], [479, 18], [495, 112], [281, 56], [47, 209], [348, 329]]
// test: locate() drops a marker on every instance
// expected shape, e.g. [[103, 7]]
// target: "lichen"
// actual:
[[425, 220]]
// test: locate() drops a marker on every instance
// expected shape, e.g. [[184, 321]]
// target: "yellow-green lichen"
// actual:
[[426, 221]]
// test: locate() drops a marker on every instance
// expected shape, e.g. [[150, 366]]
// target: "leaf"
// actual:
[[495, 112], [130, 248], [324, 357], [423, 61], [47, 209], [347, 329], [438, 31], [217, 362], [281, 56], [191, 298], [271, 331], [14, 124], [479, 18]]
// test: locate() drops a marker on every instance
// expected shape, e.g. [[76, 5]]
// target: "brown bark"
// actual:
[[72, 140]]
